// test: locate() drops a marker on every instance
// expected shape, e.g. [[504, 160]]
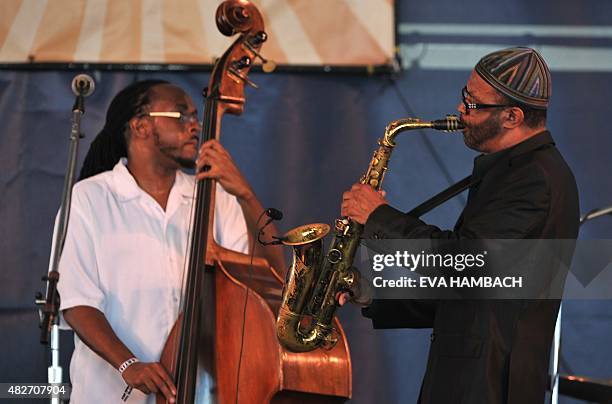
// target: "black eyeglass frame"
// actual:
[[472, 106]]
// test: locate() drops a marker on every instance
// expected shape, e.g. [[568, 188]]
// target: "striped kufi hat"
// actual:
[[520, 73]]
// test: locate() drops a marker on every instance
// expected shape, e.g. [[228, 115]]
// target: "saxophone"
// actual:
[[305, 317]]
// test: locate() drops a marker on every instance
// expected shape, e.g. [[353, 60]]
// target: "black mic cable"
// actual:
[[273, 214]]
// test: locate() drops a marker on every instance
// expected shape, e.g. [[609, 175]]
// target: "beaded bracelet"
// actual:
[[127, 364]]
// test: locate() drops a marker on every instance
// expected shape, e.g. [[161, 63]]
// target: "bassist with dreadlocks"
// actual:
[[123, 257]]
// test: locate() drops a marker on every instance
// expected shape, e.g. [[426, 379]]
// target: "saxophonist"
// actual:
[[488, 351]]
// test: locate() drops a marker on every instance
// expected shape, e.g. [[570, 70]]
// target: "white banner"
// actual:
[[301, 32]]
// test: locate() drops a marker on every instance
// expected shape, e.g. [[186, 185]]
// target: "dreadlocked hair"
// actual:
[[110, 144]]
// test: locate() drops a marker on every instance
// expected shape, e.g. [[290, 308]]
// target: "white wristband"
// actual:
[[127, 364]]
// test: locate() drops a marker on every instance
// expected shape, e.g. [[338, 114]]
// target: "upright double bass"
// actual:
[[224, 342]]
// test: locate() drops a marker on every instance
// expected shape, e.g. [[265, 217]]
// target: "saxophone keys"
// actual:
[[334, 256], [341, 225], [329, 339]]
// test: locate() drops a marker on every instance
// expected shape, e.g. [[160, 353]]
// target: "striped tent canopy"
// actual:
[[301, 32]]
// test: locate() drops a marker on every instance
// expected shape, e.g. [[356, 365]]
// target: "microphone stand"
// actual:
[[595, 213], [49, 306], [556, 348]]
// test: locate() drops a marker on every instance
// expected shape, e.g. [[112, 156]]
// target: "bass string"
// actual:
[[194, 236]]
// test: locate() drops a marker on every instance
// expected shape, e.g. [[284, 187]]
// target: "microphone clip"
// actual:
[[276, 241], [273, 214]]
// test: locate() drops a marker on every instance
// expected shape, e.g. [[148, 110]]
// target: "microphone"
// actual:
[[273, 214], [83, 85]]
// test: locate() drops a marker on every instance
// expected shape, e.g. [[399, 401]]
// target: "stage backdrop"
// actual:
[[308, 33], [304, 139]]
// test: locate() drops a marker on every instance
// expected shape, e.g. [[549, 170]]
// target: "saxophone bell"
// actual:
[[305, 234], [307, 244]]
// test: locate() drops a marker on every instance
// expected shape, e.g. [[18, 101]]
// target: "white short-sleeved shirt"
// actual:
[[124, 255]]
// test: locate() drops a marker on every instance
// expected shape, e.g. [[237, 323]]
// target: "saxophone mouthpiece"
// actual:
[[450, 124]]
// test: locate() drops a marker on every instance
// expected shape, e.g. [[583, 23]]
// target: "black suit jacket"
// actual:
[[489, 351]]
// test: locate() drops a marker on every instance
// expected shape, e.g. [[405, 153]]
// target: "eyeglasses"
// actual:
[[471, 105], [183, 118]]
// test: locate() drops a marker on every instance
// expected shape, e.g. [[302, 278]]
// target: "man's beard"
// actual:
[[478, 134], [173, 153]]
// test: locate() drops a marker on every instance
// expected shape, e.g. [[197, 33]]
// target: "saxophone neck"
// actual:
[[398, 126], [449, 124]]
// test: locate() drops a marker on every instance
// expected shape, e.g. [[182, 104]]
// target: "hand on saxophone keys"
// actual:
[[360, 201], [343, 298], [360, 294]]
